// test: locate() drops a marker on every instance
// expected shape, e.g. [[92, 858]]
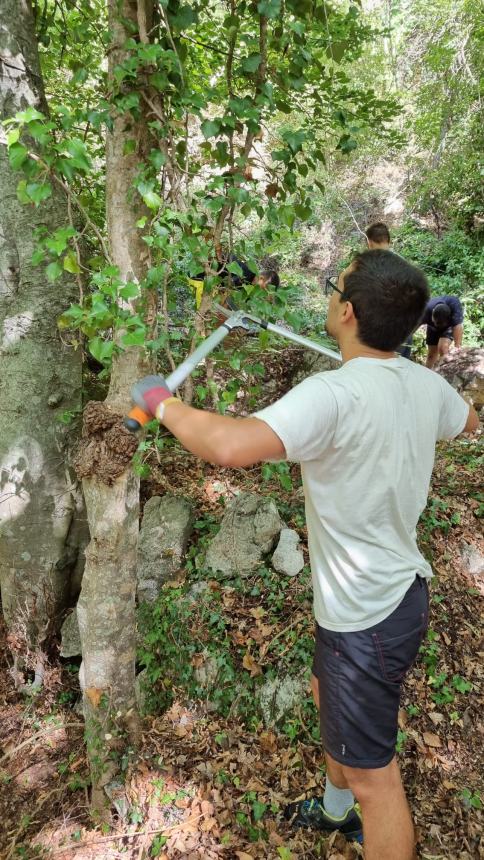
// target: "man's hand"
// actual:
[[149, 392]]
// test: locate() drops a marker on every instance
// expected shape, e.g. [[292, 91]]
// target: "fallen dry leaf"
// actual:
[[432, 740], [250, 664]]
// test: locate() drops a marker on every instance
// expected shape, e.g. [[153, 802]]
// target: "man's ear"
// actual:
[[348, 313]]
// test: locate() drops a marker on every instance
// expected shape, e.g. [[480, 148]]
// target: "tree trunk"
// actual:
[[40, 377], [106, 607]]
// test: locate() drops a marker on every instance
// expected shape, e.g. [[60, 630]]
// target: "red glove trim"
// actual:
[[155, 396]]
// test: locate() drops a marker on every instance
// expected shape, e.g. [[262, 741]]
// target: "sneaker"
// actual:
[[311, 813]]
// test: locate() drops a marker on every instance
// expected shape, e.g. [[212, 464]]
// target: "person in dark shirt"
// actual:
[[443, 317], [265, 279]]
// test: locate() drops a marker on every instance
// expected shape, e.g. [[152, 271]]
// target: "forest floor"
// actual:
[[205, 785]]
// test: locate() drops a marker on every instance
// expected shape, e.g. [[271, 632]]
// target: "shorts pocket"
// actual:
[[397, 654]]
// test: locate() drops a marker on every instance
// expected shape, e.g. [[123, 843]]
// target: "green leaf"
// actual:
[[28, 115], [12, 136], [38, 191], [210, 128], [57, 243], [129, 291], [303, 212], [336, 50], [269, 8], [286, 215], [141, 221], [251, 63], [134, 338], [152, 200], [17, 154], [79, 76], [284, 107], [340, 117], [38, 256], [22, 195], [53, 271], [281, 155], [157, 158], [295, 139], [71, 318], [70, 263], [346, 143], [76, 149], [235, 269], [184, 18], [129, 147], [258, 809], [101, 349]]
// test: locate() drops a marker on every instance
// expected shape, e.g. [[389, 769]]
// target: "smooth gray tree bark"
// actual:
[[40, 377]]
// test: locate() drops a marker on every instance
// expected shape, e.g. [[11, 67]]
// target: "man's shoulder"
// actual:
[[453, 301]]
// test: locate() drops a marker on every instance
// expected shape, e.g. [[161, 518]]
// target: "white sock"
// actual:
[[337, 801]]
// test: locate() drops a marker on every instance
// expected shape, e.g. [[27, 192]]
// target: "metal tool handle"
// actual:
[[282, 332], [136, 418], [183, 371], [240, 319]]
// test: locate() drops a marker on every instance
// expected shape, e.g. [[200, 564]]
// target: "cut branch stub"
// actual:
[[106, 448]]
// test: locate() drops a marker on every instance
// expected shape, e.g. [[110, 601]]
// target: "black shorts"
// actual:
[[434, 334], [360, 676]]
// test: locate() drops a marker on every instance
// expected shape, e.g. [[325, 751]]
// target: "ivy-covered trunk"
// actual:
[[40, 377], [106, 607]]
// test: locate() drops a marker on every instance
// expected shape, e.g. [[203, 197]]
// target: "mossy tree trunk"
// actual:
[[106, 607], [40, 378]]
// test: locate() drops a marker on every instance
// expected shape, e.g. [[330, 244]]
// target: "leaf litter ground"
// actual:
[[205, 786]]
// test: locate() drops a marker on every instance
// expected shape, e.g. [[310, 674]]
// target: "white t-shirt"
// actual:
[[365, 436]]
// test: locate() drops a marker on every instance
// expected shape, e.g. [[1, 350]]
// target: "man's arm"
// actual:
[[457, 332], [220, 439]]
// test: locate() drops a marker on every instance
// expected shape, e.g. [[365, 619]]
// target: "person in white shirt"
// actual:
[[365, 437]]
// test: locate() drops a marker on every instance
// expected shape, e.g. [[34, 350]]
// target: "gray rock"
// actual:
[[197, 591], [278, 697], [288, 558], [472, 559], [464, 369], [165, 530], [207, 673], [314, 363], [248, 532], [70, 636]]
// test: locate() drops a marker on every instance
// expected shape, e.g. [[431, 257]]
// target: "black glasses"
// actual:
[[329, 286]]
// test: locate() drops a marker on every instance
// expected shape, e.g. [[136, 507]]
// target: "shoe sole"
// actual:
[[352, 836]]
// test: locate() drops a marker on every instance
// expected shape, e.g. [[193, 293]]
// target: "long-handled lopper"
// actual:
[[238, 319]]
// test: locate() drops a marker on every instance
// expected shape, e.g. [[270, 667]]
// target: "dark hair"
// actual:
[[378, 232], [441, 315], [271, 277], [388, 297]]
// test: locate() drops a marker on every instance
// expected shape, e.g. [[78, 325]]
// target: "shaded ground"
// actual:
[[205, 787]]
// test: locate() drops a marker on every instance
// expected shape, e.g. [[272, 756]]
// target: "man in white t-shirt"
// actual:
[[365, 437]]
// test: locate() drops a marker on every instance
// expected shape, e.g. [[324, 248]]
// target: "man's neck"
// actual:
[[355, 349]]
